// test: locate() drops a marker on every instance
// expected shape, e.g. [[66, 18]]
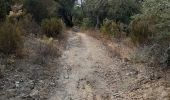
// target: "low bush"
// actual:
[[29, 25], [86, 24], [10, 38], [141, 30], [47, 49], [110, 27], [52, 27]]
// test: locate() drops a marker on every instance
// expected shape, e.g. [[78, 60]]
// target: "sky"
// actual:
[[79, 1]]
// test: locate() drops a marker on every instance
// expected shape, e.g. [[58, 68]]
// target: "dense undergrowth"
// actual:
[[29, 50], [148, 29], [10, 38], [20, 24], [146, 23]]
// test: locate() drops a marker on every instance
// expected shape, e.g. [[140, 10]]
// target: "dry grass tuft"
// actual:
[[47, 49]]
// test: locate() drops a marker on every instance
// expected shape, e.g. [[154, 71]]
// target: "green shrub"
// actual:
[[52, 27], [110, 27], [141, 30], [86, 23], [10, 38]]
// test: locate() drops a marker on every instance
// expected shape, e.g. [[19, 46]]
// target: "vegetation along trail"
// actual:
[[84, 49]]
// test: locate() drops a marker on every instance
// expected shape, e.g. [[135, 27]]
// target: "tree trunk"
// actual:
[[68, 21], [67, 17], [97, 23]]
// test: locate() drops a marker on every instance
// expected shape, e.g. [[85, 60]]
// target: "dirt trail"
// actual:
[[82, 56], [89, 73]]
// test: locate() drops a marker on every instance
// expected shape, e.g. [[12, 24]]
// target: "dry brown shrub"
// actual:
[[47, 50], [52, 27], [10, 38]]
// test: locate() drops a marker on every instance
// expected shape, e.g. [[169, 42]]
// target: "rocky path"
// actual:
[[89, 72]]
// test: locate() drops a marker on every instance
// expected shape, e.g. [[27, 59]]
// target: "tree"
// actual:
[[153, 22], [37, 8], [77, 15], [122, 10], [157, 11], [96, 10], [65, 11], [4, 8], [117, 10]]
